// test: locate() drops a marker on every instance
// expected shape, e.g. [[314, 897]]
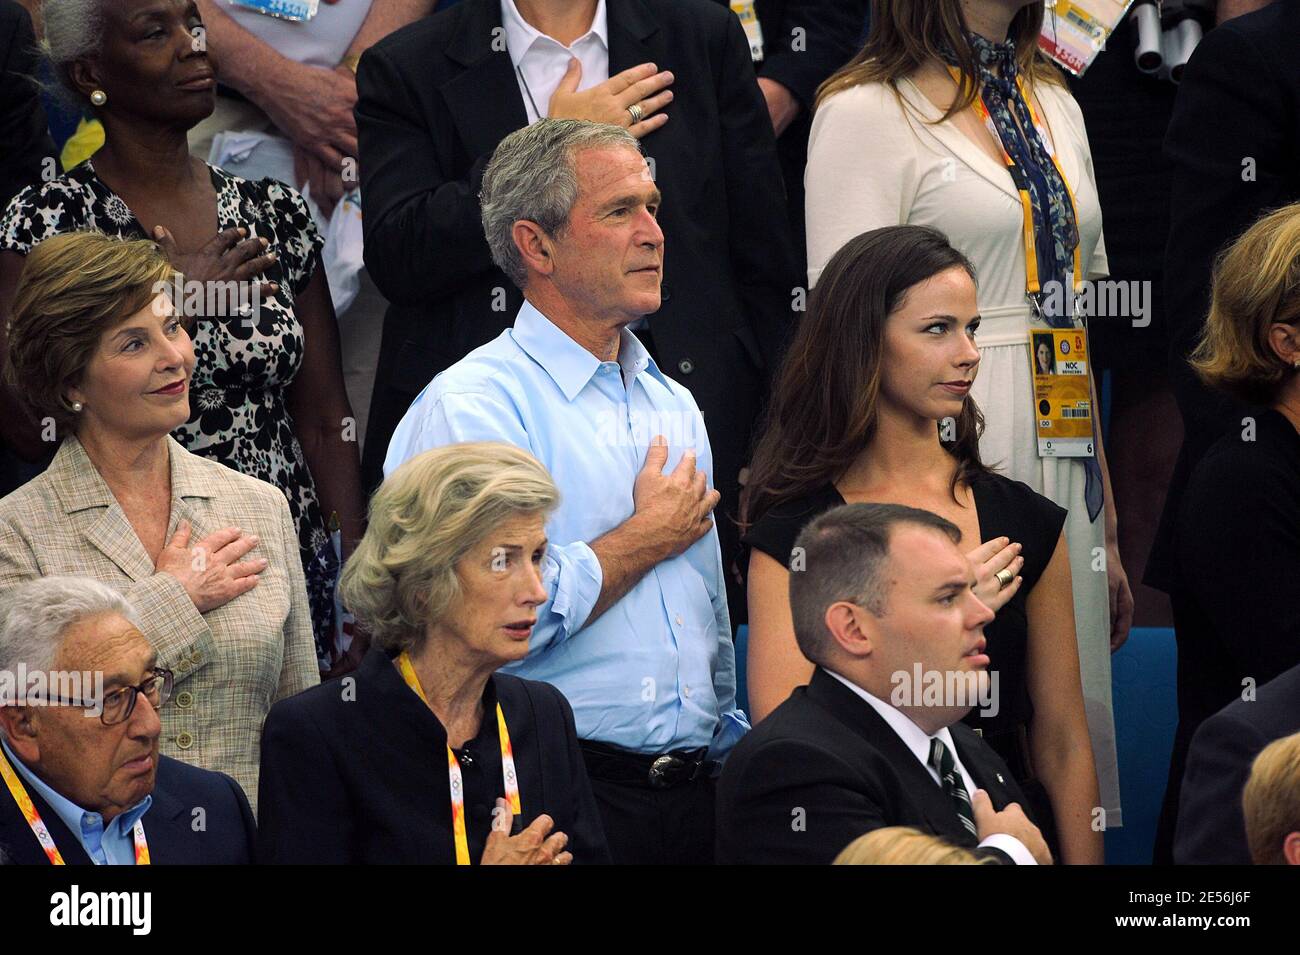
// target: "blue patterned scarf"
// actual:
[[1055, 230]]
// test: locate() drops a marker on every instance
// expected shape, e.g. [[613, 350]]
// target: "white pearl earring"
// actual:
[[76, 406], [99, 97]]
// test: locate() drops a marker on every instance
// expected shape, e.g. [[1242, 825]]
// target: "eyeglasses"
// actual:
[[118, 705]]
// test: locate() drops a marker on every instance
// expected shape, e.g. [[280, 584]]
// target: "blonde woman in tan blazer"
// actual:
[[208, 556]]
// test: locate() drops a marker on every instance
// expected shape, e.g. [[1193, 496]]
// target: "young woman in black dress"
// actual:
[[872, 405]]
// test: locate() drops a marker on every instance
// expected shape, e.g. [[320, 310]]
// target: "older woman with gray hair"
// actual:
[[269, 399], [83, 781], [427, 754]]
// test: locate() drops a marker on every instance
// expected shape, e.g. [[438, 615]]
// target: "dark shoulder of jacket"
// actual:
[[428, 33], [545, 700], [182, 780]]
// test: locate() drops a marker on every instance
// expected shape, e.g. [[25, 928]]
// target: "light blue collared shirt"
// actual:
[[657, 671], [106, 845]]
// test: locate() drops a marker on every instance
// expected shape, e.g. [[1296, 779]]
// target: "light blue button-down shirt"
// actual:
[[656, 671], [106, 845]]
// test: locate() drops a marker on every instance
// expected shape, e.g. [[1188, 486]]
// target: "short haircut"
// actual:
[[35, 615], [73, 288], [1256, 284], [424, 518], [1271, 800], [842, 555], [533, 175]]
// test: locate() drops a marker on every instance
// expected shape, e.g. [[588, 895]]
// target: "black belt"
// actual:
[[665, 771]]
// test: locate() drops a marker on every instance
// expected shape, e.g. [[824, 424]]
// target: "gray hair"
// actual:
[[74, 30], [35, 615], [533, 175], [841, 555]]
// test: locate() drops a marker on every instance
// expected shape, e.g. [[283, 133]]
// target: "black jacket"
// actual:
[[1234, 145], [27, 143], [1211, 829], [826, 752], [222, 834], [355, 771], [804, 42], [435, 98]]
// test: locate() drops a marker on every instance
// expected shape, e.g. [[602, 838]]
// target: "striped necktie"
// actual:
[[943, 763]]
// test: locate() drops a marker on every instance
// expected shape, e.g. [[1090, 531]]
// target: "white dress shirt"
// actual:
[[918, 741], [540, 61]]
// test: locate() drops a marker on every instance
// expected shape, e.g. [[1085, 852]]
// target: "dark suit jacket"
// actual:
[[804, 42], [1234, 143], [356, 772], [223, 834], [22, 120], [827, 752], [1211, 829], [435, 98]]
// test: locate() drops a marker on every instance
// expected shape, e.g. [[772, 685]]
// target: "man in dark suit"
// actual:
[[436, 97], [1232, 142], [882, 602], [84, 754], [1211, 829], [796, 47]]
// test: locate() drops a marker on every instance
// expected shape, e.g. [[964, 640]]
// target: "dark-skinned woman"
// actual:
[[268, 398]]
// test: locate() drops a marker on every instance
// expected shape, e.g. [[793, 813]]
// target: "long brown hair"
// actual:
[[905, 34], [825, 403]]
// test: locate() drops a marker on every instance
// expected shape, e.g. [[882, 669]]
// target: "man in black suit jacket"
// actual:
[[1211, 829], [804, 42], [436, 97], [98, 782], [884, 595]]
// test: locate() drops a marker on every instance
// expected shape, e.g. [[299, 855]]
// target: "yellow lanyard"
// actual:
[[454, 778], [28, 809], [1032, 284]]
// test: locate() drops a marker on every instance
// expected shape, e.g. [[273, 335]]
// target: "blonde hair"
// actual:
[[906, 34], [1256, 285], [424, 518], [904, 845], [1271, 800], [73, 288]]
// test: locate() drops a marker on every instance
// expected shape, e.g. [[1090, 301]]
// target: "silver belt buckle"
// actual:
[[659, 772]]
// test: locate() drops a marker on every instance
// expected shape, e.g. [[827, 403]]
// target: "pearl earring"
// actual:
[[99, 97], [76, 406]]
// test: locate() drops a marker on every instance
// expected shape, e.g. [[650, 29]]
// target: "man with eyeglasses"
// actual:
[[81, 778]]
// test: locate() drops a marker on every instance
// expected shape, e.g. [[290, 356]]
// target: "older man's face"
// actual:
[[104, 769], [609, 258]]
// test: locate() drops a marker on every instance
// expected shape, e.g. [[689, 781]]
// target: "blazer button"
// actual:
[[184, 740], [184, 699], [183, 666], [686, 366], [197, 656]]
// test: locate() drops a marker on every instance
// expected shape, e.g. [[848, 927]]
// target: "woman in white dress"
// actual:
[[922, 127]]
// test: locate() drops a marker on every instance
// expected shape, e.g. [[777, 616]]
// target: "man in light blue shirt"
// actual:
[[636, 633]]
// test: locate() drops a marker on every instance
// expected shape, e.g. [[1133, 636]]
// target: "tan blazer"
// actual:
[[231, 663]]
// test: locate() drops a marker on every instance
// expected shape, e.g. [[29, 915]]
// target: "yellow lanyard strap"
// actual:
[[28, 809], [1032, 283], [454, 777]]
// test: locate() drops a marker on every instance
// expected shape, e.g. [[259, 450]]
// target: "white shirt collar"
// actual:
[[521, 35], [915, 738]]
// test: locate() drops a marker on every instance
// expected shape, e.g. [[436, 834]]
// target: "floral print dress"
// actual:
[[239, 415]]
